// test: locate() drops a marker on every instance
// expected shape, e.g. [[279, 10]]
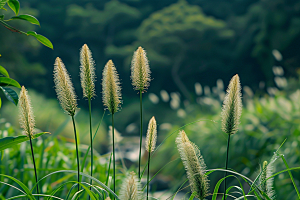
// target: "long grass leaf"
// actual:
[[13, 187], [291, 176], [27, 191], [82, 174]]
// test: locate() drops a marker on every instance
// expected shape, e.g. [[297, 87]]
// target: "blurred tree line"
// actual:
[[187, 41]]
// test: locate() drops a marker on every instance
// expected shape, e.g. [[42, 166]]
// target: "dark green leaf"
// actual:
[[8, 142], [1, 17], [10, 94], [14, 5], [2, 4], [28, 18], [4, 81], [3, 71], [28, 192], [41, 39]]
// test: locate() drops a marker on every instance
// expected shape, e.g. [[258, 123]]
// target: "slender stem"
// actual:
[[108, 171], [91, 136], [36, 179], [114, 158], [148, 174], [226, 164], [141, 134], [291, 176], [78, 167]]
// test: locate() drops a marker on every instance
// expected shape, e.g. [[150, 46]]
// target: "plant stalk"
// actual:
[[291, 176], [36, 179], [91, 137], [114, 158], [226, 165], [78, 167], [141, 134], [148, 174]]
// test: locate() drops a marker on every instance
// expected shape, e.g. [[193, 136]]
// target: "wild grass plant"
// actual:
[[140, 76], [54, 158], [87, 78]]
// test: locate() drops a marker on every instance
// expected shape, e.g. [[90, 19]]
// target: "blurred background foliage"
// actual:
[[194, 48]]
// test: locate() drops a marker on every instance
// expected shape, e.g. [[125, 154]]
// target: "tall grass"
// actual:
[[140, 76], [55, 161], [112, 99]]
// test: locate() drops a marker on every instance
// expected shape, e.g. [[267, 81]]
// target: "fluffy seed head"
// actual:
[[25, 112], [140, 71], [194, 165], [131, 188], [87, 72], [64, 88], [232, 107], [151, 135], [267, 185], [111, 89]]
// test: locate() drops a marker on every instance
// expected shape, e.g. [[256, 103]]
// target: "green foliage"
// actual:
[[15, 7], [10, 94], [265, 123], [8, 142], [5, 81], [185, 44], [28, 18], [52, 154], [3, 71]]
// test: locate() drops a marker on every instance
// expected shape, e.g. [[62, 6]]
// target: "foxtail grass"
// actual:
[[140, 76], [87, 77], [150, 144], [131, 188], [194, 165], [266, 183], [111, 96], [231, 113], [27, 122], [67, 98]]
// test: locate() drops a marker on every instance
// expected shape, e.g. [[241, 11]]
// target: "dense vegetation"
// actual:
[[194, 47]]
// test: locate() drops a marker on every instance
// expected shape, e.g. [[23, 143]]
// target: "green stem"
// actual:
[[108, 171], [291, 176], [141, 134], [226, 164], [78, 168], [114, 158], [148, 174], [36, 179], [11, 28], [91, 137]]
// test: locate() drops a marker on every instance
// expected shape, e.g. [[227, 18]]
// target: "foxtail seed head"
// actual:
[[194, 165], [25, 112], [64, 88], [87, 72], [232, 107], [140, 71], [131, 188], [151, 135], [267, 185], [111, 89]]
